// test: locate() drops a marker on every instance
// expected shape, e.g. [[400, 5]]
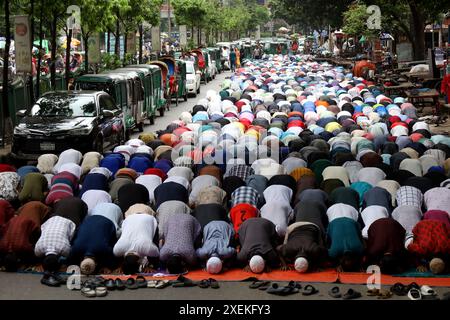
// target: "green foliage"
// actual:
[[355, 21]]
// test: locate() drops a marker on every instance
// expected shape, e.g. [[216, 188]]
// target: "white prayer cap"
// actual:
[[214, 265], [257, 264], [301, 264]]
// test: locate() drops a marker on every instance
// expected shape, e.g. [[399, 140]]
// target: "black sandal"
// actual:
[[258, 283], [183, 282], [214, 283], [204, 284], [119, 284], [141, 282], [131, 284], [351, 294], [335, 293], [399, 289], [309, 290]]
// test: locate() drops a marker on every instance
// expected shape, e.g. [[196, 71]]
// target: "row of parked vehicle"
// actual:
[[104, 109]]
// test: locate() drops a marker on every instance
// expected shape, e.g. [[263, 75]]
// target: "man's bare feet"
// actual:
[[422, 269]]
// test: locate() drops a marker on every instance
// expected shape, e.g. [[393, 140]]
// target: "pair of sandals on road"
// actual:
[[182, 281], [292, 287], [416, 292], [351, 294]]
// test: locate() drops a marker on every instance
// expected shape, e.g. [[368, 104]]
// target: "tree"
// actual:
[[190, 12], [410, 17], [355, 21], [5, 109], [258, 14], [96, 15]]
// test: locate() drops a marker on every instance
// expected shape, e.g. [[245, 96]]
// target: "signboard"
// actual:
[[94, 49], [183, 36], [22, 44], [404, 52], [131, 42]]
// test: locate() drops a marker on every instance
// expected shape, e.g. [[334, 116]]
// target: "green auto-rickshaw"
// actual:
[[146, 80], [181, 77], [166, 93], [117, 87], [135, 96]]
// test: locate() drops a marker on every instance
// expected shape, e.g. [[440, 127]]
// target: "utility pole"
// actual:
[[169, 22]]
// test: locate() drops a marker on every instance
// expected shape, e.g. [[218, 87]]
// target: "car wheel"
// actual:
[[152, 119], [161, 111]]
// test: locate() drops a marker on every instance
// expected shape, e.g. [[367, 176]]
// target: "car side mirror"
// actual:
[[108, 113], [21, 113]]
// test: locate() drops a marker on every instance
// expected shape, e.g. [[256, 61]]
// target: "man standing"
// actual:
[[232, 60]]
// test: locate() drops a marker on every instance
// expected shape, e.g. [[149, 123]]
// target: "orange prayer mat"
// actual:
[[326, 276]]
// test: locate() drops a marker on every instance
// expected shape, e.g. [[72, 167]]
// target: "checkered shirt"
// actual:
[[57, 232], [240, 170], [409, 196], [245, 195]]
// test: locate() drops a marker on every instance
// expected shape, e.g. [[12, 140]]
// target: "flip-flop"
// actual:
[[214, 283], [141, 282], [258, 283], [183, 282], [373, 292], [281, 291], [265, 286], [88, 292], [427, 291], [351, 294], [161, 284], [131, 284], [309, 290], [399, 289], [335, 292], [119, 284], [110, 284], [101, 291], [412, 285], [294, 284], [384, 294], [414, 294], [204, 284]]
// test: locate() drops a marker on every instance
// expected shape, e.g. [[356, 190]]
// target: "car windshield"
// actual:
[[63, 105], [190, 68]]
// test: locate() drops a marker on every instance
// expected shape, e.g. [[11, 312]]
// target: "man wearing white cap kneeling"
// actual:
[[304, 246], [258, 238]]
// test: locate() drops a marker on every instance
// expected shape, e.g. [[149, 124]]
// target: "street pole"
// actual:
[[169, 22]]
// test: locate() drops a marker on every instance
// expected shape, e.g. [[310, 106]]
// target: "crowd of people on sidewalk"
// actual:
[[293, 164]]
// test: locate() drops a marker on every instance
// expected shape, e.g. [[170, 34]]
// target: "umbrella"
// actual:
[[73, 44]]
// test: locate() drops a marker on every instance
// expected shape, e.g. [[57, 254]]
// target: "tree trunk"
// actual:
[[68, 42], [5, 109], [38, 66], [418, 26], [117, 35], [125, 43], [31, 40], [199, 36], [86, 52], [141, 41], [53, 32], [108, 41]]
